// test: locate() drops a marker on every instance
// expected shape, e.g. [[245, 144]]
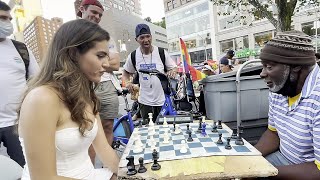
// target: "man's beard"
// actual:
[[290, 87]]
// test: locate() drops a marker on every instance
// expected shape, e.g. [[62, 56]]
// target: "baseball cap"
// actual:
[[89, 2], [142, 29], [225, 61], [231, 52]]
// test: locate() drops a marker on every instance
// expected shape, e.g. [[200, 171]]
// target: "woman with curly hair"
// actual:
[[58, 117]]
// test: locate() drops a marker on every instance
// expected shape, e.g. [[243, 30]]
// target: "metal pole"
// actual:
[[238, 90], [317, 33]]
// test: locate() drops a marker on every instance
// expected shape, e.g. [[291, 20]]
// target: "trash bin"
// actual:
[[221, 97]]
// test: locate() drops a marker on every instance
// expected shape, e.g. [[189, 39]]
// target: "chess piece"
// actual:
[[155, 156], [184, 148], [203, 119], [200, 126], [165, 138], [214, 127], [150, 120], [138, 146], [165, 123], [188, 129], [234, 134], [151, 130], [151, 140], [220, 139], [189, 138], [141, 169], [239, 140], [131, 167], [177, 129], [228, 146], [219, 124], [203, 129]]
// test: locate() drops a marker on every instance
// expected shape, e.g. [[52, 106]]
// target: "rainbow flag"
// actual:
[[185, 57]]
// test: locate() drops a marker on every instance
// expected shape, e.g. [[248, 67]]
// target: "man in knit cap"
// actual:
[[292, 141]]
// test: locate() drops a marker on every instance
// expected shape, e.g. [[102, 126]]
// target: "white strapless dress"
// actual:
[[72, 156]]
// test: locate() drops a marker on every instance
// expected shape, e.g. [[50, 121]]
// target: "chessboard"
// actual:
[[201, 145]]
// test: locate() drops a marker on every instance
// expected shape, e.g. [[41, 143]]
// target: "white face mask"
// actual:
[[6, 29]]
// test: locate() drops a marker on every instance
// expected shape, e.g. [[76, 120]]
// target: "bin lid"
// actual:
[[246, 72]]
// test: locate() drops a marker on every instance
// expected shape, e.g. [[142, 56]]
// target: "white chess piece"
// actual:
[[151, 130], [203, 119], [165, 123], [166, 137], [183, 149], [177, 130], [138, 146], [138, 141], [151, 140], [150, 119]]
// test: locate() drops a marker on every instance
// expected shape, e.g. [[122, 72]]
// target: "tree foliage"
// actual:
[[278, 12]]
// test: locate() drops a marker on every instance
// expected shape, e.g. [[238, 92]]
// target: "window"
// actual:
[[120, 8], [174, 4], [115, 6], [262, 38]]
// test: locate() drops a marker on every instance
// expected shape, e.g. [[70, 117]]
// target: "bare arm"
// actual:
[[39, 116], [105, 152], [268, 143], [114, 62], [126, 77], [303, 171]]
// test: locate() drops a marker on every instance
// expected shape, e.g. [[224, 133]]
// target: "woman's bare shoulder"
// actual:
[[42, 95]]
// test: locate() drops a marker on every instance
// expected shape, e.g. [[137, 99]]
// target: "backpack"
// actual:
[[24, 53], [134, 62]]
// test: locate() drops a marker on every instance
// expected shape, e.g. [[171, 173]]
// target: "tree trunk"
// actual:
[[285, 13]]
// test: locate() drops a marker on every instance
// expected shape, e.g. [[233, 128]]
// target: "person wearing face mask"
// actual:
[[148, 56], [292, 141], [107, 90], [15, 70]]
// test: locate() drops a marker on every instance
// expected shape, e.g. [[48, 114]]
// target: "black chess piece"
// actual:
[[131, 167], [219, 124], [155, 156], [220, 139], [200, 126], [141, 169], [239, 140], [189, 138], [234, 134], [188, 129], [228, 146], [214, 127]]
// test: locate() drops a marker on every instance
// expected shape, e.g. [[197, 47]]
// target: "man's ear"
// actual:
[[81, 8]]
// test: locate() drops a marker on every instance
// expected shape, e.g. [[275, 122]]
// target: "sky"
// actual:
[[53, 8]]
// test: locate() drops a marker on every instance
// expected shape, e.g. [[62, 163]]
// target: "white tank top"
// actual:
[[72, 156]]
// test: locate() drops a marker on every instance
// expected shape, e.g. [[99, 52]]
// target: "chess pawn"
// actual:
[[203, 119], [177, 129], [142, 168], [137, 147], [151, 140], [150, 119], [165, 138], [183, 149], [151, 130], [165, 123], [138, 141]]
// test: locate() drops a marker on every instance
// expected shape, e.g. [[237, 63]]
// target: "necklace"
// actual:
[[149, 64]]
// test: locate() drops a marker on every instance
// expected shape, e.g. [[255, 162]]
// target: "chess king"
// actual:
[[292, 141]]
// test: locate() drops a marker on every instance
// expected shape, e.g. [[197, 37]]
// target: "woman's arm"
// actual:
[[104, 151], [37, 126]]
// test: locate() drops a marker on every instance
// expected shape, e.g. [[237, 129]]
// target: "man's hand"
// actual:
[[172, 73], [129, 86]]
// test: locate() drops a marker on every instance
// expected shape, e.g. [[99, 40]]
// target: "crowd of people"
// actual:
[[54, 119]]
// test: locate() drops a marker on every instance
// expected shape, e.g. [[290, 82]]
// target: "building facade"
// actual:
[[39, 34], [191, 21], [205, 32], [120, 19], [126, 6]]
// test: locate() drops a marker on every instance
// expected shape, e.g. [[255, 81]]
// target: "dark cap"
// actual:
[[89, 2], [231, 53], [142, 29], [225, 61]]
